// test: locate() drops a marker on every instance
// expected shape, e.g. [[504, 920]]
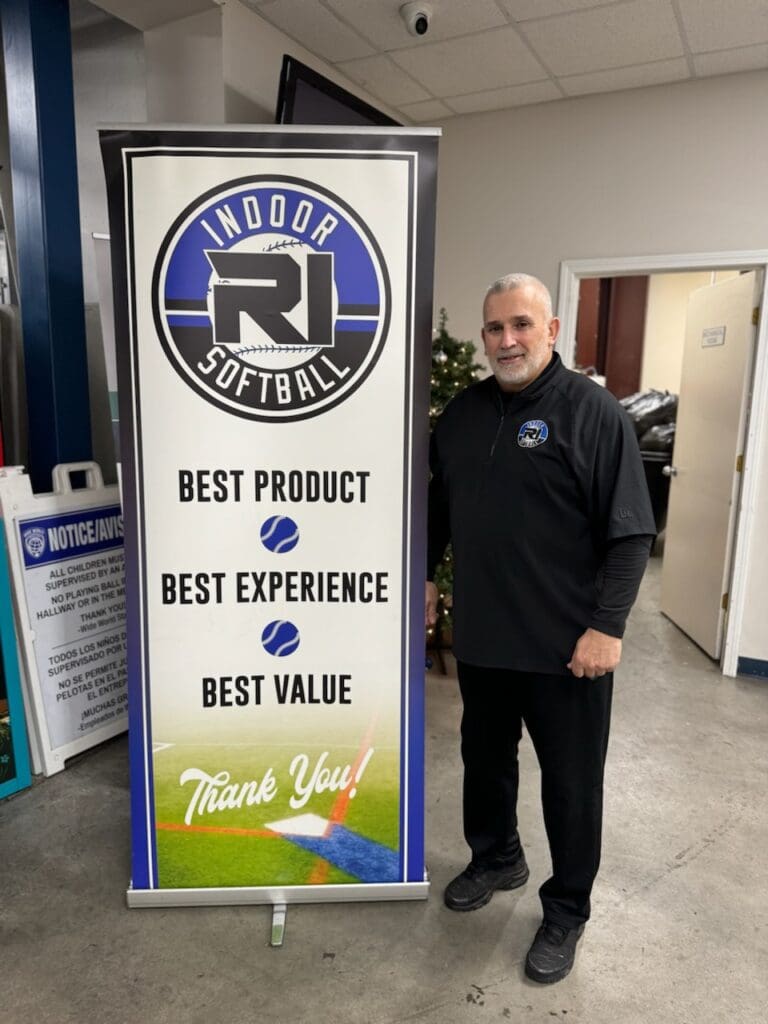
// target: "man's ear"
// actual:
[[554, 329]]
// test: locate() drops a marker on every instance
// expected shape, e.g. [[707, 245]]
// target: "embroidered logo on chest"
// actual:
[[532, 434]]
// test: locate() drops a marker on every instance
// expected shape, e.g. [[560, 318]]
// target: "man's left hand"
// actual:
[[595, 654]]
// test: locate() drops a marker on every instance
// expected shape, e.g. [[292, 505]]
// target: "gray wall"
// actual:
[[675, 168]]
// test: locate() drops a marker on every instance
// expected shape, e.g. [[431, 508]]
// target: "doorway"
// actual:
[[571, 275]]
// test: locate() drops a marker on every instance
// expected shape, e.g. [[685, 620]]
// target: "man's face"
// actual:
[[518, 336]]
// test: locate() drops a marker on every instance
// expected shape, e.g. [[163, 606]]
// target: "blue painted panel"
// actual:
[[38, 72], [752, 667]]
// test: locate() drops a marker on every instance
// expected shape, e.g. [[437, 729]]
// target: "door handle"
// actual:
[[669, 470]]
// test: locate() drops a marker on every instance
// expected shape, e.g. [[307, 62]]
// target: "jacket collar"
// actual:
[[537, 387]]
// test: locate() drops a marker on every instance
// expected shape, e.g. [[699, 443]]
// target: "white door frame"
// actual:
[[571, 273]]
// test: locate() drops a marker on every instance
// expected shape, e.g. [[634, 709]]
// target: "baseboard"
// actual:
[[752, 667]]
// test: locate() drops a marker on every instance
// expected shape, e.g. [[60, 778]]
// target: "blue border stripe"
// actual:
[[189, 321], [361, 326]]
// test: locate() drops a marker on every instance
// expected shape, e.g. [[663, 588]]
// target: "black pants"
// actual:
[[568, 721]]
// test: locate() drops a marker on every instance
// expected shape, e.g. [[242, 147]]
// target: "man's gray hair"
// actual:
[[509, 282]]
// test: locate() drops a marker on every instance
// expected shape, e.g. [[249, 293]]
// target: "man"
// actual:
[[538, 484]]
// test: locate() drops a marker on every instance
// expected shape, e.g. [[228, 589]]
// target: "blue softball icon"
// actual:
[[279, 534], [280, 638]]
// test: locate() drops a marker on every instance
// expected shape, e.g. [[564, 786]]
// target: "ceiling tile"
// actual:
[[499, 99], [384, 80], [720, 24], [627, 78], [524, 10], [746, 58], [316, 28], [487, 60], [380, 21], [429, 110], [606, 37]]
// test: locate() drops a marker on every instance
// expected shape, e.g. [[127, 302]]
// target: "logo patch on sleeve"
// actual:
[[532, 434]]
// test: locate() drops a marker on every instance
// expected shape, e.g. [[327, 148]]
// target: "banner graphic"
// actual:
[[273, 326]]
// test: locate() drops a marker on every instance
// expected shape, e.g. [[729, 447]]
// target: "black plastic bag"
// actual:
[[646, 409], [660, 438]]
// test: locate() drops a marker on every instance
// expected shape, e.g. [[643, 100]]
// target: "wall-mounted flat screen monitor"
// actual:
[[306, 97]]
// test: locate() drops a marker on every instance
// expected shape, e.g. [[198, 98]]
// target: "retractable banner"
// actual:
[[273, 310]]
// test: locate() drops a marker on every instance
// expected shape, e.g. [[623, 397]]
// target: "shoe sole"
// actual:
[[553, 976], [547, 979], [486, 897]]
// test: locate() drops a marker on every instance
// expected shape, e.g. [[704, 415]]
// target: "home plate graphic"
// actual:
[[367, 860]]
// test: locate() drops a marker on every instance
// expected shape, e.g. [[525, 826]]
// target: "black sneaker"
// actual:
[[475, 885], [551, 955]]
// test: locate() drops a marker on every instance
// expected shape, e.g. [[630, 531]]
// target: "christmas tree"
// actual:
[[453, 368]]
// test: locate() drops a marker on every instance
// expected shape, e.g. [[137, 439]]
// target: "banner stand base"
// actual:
[[274, 896], [279, 910]]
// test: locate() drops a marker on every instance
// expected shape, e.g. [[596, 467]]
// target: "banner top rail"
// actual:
[[283, 129]]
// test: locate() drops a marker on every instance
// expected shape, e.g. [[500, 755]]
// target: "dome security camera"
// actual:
[[417, 17]]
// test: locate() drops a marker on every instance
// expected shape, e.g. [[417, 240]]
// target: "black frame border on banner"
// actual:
[[120, 146]]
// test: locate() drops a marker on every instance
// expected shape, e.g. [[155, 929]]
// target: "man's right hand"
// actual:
[[430, 603]]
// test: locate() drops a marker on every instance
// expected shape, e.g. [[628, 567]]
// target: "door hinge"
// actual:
[[724, 602], [739, 463], [755, 316]]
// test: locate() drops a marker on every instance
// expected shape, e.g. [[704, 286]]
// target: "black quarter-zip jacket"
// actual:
[[531, 488]]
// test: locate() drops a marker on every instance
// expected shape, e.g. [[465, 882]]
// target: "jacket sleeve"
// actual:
[[438, 520], [621, 516], [620, 577], [620, 503]]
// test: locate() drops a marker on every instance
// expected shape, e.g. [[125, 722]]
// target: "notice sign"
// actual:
[[74, 586], [712, 336], [273, 341]]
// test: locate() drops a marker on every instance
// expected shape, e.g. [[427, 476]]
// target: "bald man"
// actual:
[[538, 484]]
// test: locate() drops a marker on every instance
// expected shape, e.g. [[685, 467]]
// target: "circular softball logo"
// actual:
[[271, 298], [532, 434]]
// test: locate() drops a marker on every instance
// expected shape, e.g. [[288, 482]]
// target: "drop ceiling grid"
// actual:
[[488, 60], [490, 54]]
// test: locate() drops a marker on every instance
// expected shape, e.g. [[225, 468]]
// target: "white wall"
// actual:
[[674, 168], [108, 77], [185, 71]]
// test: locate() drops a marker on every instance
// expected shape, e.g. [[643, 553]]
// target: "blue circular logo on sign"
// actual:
[[271, 298], [279, 534], [280, 638], [532, 434]]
